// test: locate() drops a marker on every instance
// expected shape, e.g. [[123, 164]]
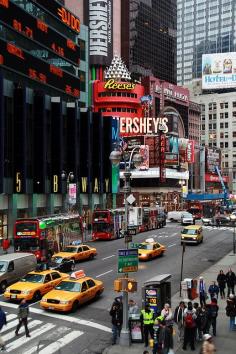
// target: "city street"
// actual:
[[88, 330]]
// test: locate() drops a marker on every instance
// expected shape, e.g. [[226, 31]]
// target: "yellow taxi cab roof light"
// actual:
[[78, 274], [150, 240]]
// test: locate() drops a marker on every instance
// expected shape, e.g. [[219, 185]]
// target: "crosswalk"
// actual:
[[46, 338], [212, 228]]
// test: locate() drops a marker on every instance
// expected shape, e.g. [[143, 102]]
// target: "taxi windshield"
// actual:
[[69, 286], [70, 249], [189, 232], [143, 246], [57, 260], [33, 278]]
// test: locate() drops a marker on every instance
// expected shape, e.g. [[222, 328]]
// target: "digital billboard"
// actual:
[[219, 70]]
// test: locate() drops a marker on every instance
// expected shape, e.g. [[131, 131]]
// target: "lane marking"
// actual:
[[54, 347], [37, 332], [113, 255], [31, 324], [100, 275], [61, 317], [172, 245]]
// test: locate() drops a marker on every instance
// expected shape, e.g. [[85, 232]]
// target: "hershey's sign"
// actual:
[[145, 125]]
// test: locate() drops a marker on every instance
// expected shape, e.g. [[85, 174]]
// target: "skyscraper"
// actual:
[[203, 26], [148, 38]]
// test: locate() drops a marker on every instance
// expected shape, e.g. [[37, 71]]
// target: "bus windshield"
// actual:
[[101, 227], [26, 244], [100, 215], [26, 226]]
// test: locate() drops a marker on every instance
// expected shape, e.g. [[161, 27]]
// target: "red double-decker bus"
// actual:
[[46, 235], [107, 224]]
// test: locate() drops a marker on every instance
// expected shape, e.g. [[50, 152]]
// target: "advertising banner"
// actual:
[[219, 70], [144, 152], [171, 159], [162, 150], [190, 151], [98, 17], [213, 159], [72, 193]]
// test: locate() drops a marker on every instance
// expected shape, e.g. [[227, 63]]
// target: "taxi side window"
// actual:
[[85, 248], [154, 247], [84, 287], [79, 250], [90, 283], [11, 267], [55, 276], [47, 278], [157, 245]]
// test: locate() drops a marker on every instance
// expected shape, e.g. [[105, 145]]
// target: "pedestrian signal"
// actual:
[[118, 285], [132, 286]]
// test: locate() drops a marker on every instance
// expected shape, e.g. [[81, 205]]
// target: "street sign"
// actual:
[[128, 260], [134, 245], [131, 199], [131, 231]]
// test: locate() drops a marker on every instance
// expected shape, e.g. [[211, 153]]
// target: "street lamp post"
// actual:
[[233, 219], [115, 158]]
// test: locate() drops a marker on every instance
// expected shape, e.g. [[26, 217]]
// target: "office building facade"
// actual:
[[203, 26]]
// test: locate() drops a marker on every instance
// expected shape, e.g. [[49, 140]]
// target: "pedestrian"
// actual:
[[3, 322], [165, 338], [179, 319], [213, 290], [202, 291], [167, 313], [198, 320], [145, 352], [231, 311], [212, 313], [201, 321], [116, 319], [208, 346], [147, 318], [156, 334], [189, 326], [230, 281], [221, 279], [23, 313]]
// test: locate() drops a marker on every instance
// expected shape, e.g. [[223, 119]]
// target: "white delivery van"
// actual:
[[13, 266], [175, 215]]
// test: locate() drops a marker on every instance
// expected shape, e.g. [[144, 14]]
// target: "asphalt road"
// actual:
[[87, 331]]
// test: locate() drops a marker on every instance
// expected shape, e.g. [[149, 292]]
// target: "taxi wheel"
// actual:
[[3, 286], [91, 256], [97, 295], [75, 306], [37, 296]]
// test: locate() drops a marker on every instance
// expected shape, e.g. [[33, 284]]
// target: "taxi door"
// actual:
[[79, 254], [84, 293], [155, 250], [56, 279], [86, 252]]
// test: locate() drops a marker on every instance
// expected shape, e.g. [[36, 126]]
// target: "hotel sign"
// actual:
[[145, 125]]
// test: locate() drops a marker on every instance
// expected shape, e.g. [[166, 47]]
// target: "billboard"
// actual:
[[213, 159], [98, 17], [219, 70]]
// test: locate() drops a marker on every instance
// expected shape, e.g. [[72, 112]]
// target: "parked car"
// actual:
[[206, 221], [175, 215], [187, 219], [217, 221]]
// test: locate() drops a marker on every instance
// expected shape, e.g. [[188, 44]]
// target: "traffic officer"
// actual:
[[147, 318]]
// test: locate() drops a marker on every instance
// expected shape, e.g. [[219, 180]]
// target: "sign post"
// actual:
[[128, 260]]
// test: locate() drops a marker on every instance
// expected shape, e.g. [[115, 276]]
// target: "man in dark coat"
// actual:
[[116, 319], [3, 322], [230, 281], [221, 279]]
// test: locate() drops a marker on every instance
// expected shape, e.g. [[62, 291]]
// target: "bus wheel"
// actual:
[[3, 286], [37, 296], [75, 306]]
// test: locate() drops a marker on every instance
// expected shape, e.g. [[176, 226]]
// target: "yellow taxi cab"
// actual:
[[150, 249], [77, 253], [192, 234], [72, 292], [34, 284]]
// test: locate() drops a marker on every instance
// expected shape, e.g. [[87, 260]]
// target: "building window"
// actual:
[[221, 115], [214, 125], [222, 145], [226, 144], [3, 226], [226, 115], [226, 105], [234, 114], [234, 144], [226, 125], [234, 104], [221, 125], [210, 126], [234, 134], [210, 116], [221, 135]]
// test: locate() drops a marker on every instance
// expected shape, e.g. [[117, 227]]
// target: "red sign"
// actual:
[[215, 178], [190, 151]]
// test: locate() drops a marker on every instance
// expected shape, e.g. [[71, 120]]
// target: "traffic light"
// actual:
[[132, 285], [118, 285]]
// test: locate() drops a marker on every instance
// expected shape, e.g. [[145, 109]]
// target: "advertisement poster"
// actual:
[[151, 298], [144, 152], [213, 159], [136, 331], [219, 70], [190, 152], [72, 193]]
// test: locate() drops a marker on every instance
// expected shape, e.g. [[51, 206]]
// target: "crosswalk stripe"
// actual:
[[52, 348], [11, 334], [11, 324], [58, 344], [37, 332]]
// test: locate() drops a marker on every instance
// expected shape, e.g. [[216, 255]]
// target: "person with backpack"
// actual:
[[189, 326], [212, 313], [213, 290], [3, 322]]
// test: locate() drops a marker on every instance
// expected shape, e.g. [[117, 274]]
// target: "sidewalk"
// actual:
[[225, 340]]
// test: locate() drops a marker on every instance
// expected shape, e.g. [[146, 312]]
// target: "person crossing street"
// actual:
[[3, 321], [23, 313]]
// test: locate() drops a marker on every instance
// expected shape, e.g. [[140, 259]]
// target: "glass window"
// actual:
[[47, 278], [55, 276], [90, 283]]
